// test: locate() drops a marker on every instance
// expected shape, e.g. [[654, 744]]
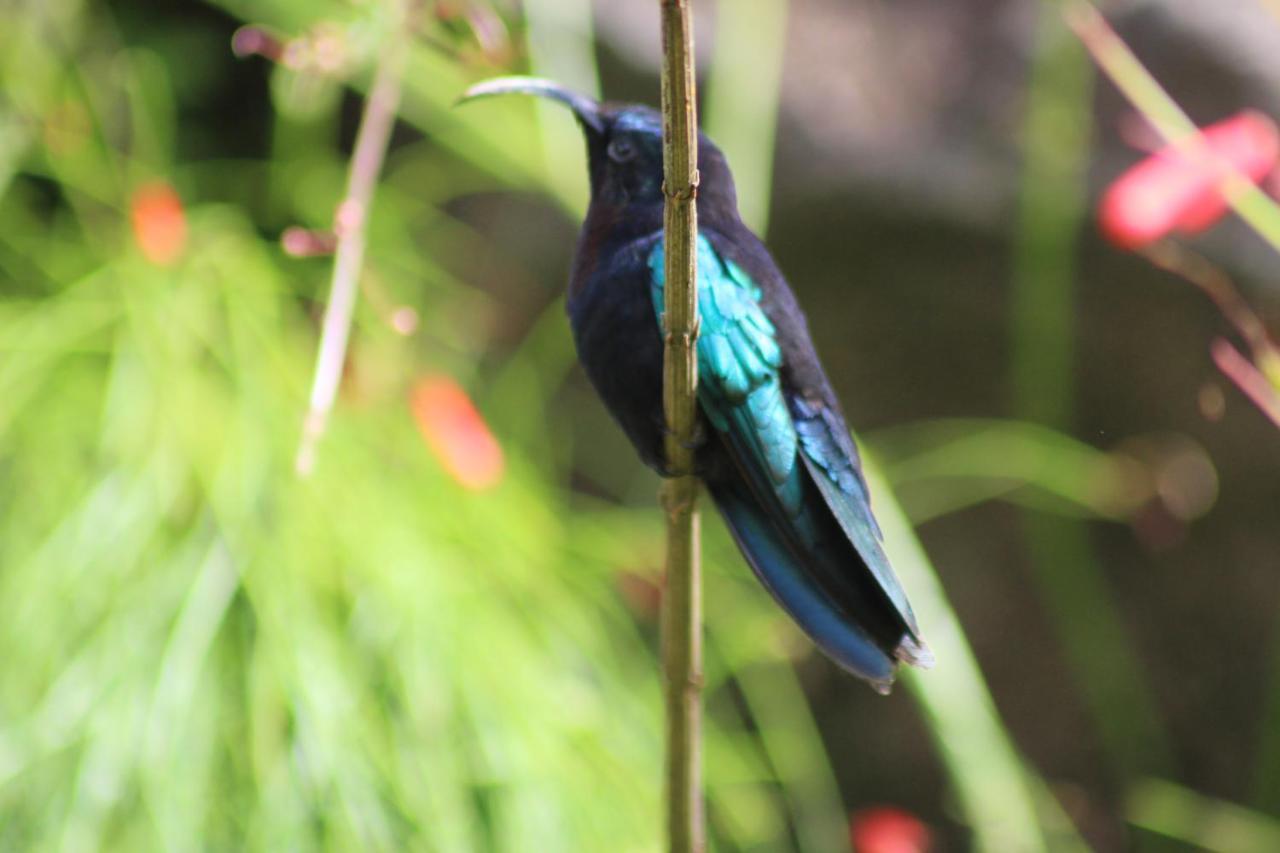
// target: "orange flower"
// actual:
[[159, 223], [1173, 190], [885, 829], [456, 433]]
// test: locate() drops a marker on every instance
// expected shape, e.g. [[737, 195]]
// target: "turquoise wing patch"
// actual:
[[738, 362], [740, 392]]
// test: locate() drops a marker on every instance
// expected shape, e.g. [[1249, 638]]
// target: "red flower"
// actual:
[[159, 223], [456, 433], [885, 829], [1180, 190]]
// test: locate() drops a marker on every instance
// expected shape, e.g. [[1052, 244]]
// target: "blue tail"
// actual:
[[807, 595]]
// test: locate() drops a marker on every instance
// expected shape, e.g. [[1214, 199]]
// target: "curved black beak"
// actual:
[[586, 109]]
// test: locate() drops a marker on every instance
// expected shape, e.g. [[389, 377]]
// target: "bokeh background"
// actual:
[[445, 637]]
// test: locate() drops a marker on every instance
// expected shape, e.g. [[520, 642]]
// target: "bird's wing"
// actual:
[[740, 391], [833, 464], [738, 367]]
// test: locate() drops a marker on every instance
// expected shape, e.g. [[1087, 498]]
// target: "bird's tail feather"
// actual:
[[793, 584]]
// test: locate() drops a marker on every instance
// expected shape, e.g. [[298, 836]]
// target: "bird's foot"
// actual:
[[697, 438]]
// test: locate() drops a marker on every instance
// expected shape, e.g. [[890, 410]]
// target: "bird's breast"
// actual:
[[619, 342]]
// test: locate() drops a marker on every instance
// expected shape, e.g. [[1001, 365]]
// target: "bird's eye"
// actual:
[[621, 150]]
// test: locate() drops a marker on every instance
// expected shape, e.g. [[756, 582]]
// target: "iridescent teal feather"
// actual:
[[740, 391], [738, 362]]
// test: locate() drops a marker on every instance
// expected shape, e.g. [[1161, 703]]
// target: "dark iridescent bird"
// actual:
[[776, 457]]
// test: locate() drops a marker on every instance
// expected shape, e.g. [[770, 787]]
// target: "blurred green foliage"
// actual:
[[203, 650]]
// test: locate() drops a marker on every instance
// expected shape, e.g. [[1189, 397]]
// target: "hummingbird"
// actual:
[[774, 452]]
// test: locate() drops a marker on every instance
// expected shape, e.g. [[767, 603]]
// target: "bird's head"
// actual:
[[624, 149]]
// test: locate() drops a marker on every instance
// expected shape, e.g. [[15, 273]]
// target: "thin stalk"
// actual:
[[682, 602], [350, 225], [1200, 822], [1251, 381], [1217, 285]]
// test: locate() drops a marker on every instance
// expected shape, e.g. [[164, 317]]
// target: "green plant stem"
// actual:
[[351, 225], [1200, 822], [682, 602]]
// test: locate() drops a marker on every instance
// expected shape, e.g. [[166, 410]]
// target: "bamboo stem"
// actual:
[[682, 601], [350, 226]]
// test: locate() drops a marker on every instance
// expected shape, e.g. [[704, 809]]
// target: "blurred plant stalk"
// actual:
[[1201, 822], [1258, 378], [939, 467], [351, 227]]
